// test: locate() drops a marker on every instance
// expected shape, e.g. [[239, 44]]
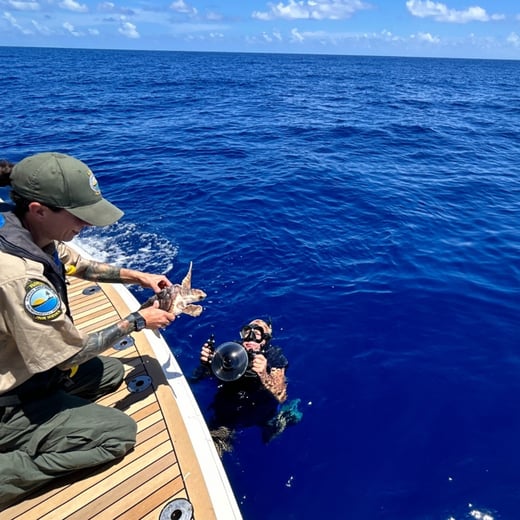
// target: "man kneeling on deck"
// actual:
[[50, 372]]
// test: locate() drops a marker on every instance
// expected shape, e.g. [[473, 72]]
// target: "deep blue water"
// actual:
[[370, 206]]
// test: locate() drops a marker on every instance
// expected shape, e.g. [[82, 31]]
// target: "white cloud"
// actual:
[[42, 29], [180, 6], [442, 13], [106, 6], [10, 18], [514, 39], [110, 7], [268, 38], [72, 5], [14, 23], [129, 30], [213, 17], [312, 9], [296, 36], [23, 6], [389, 36], [384, 37], [426, 37], [71, 29]]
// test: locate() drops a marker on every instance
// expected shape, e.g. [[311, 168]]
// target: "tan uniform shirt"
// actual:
[[35, 332]]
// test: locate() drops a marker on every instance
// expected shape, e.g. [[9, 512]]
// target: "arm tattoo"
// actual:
[[98, 342], [100, 272], [275, 383]]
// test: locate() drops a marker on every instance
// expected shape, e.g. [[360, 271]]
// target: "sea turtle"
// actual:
[[179, 298]]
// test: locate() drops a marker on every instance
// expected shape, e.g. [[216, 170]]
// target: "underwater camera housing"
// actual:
[[231, 360]]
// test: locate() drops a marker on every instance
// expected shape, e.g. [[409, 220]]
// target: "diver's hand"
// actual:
[[206, 354], [155, 317], [259, 364]]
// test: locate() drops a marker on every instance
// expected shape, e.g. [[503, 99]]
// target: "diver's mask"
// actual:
[[253, 333]]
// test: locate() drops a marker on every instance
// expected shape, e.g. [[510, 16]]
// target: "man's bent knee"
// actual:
[[125, 436]]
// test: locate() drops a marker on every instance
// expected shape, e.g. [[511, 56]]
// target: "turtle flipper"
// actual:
[[192, 310], [186, 282]]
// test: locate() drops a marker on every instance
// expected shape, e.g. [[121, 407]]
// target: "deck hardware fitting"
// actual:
[[139, 383], [126, 342], [178, 509], [91, 289]]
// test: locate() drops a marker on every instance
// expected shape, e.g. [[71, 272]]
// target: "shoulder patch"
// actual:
[[41, 301]]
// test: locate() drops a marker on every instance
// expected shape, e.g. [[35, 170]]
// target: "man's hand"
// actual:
[[155, 317], [206, 353], [259, 364], [156, 282]]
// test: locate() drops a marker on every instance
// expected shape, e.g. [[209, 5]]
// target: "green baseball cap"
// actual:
[[62, 181]]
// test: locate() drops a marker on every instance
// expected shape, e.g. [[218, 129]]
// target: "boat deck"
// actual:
[[164, 465]]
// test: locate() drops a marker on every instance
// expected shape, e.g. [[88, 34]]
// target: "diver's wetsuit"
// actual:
[[246, 401]]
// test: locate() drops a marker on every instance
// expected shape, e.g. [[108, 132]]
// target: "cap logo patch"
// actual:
[[94, 186], [41, 301]]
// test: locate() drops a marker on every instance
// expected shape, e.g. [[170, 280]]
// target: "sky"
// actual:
[[455, 28]]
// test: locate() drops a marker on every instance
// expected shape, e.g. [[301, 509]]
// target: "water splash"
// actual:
[[129, 245]]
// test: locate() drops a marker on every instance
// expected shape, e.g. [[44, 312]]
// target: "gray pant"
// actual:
[[62, 431]]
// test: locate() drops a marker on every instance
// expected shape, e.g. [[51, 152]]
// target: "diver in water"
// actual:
[[255, 397]]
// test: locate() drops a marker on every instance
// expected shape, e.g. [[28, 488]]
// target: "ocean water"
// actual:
[[370, 206]]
